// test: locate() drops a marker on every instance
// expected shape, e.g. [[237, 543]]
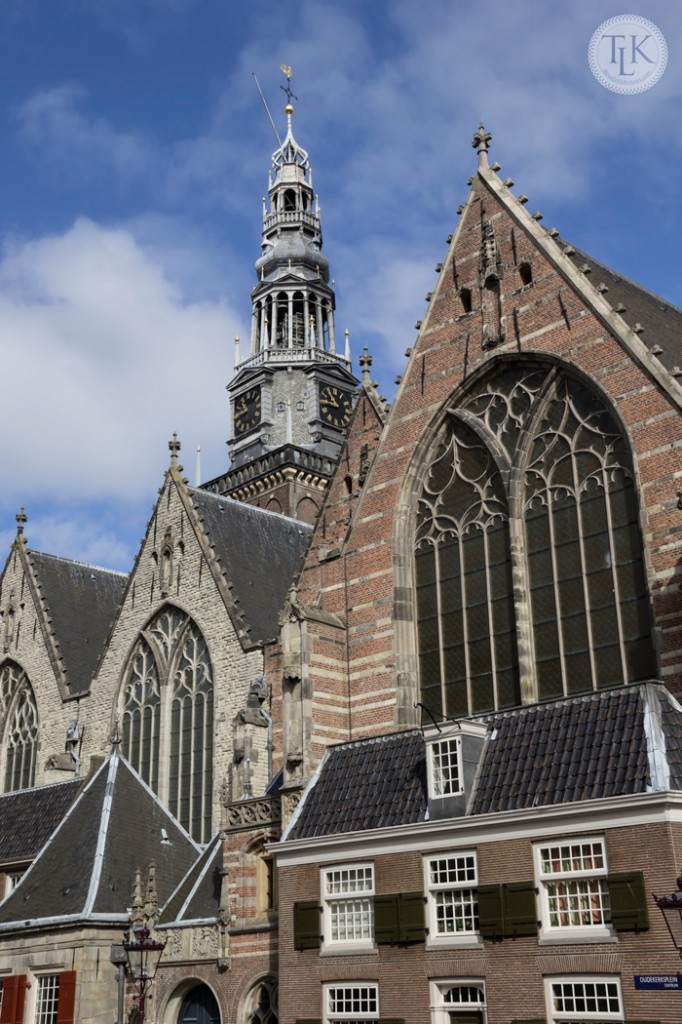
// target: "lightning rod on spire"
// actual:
[[267, 109]]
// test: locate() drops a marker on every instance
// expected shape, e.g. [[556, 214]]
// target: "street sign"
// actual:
[[658, 981]]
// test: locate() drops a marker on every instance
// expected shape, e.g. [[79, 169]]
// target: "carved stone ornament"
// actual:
[[205, 941], [247, 814]]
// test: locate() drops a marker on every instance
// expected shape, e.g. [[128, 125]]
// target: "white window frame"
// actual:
[[439, 769], [352, 901], [441, 1009], [45, 1015], [360, 994], [571, 884], [586, 986], [462, 863]]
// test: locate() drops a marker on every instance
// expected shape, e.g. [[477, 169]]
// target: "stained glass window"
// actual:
[[169, 684], [20, 715], [529, 574]]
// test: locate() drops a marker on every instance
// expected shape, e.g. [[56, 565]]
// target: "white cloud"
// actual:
[[107, 358]]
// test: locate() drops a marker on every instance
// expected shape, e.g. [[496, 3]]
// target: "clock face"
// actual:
[[336, 405], [247, 411]]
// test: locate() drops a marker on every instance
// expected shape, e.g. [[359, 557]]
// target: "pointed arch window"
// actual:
[[529, 571], [261, 1003], [167, 717], [20, 715]]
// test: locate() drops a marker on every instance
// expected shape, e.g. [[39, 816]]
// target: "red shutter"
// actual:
[[13, 996], [67, 997]]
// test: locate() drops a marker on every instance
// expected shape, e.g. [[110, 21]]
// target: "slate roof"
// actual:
[[197, 898], [28, 818], [662, 322], [616, 743], [372, 783], [260, 553], [87, 869], [581, 749], [81, 601]]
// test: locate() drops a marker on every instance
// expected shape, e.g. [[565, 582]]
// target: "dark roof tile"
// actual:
[[579, 748], [28, 818], [82, 602], [260, 553]]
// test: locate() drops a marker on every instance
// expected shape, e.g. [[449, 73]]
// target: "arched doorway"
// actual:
[[199, 1007]]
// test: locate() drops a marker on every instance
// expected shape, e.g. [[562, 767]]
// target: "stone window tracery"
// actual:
[[20, 716], [529, 573], [167, 717], [261, 1004]]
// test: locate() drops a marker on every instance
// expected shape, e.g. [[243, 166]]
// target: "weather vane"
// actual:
[[286, 68]]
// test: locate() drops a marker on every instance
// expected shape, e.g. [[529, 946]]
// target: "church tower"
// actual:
[[292, 394]]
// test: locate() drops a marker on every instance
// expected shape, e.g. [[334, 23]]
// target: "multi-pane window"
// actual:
[[457, 1000], [576, 1000], [444, 767], [573, 884], [47, 999], [167, 717], [528, 555], [351, 1004], [19, 714], [347, 894], [451, 881]]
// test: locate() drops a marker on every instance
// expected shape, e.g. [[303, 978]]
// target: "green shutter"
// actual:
[[412, 926], [399, 918], [490, 912], [507, 911], [628, 902], [307, 925], [386, 920], [519, 911]]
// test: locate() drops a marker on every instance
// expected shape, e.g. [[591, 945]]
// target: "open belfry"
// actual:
[[384, 723]]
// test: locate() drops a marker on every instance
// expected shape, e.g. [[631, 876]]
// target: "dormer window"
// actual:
[[453, 752], [444, 768]]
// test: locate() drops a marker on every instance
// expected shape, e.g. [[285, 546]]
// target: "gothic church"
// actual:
[[384, 723]]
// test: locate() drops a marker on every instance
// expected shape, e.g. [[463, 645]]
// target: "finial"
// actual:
[[21, 519], [197, 472], [365, 363], [174, 447], [347, 352], [481, 143], [289, 109]]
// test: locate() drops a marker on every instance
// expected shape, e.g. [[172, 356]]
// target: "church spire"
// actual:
[[292, 302], [293, 391]]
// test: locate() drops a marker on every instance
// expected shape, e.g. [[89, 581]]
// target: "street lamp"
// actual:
[[143, 956], [671, 908]]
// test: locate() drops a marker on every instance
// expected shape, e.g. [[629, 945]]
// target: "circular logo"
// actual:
[[628, 54]]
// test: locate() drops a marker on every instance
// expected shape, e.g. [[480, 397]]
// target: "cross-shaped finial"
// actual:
[[481, 143], [21, 519], [365, 362], [174, 447]]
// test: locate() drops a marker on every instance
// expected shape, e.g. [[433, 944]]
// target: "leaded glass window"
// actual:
[[167, 717], [528, 558], [20, 714]]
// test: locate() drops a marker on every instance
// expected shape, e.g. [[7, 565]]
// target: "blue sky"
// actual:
[[135, 154]]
